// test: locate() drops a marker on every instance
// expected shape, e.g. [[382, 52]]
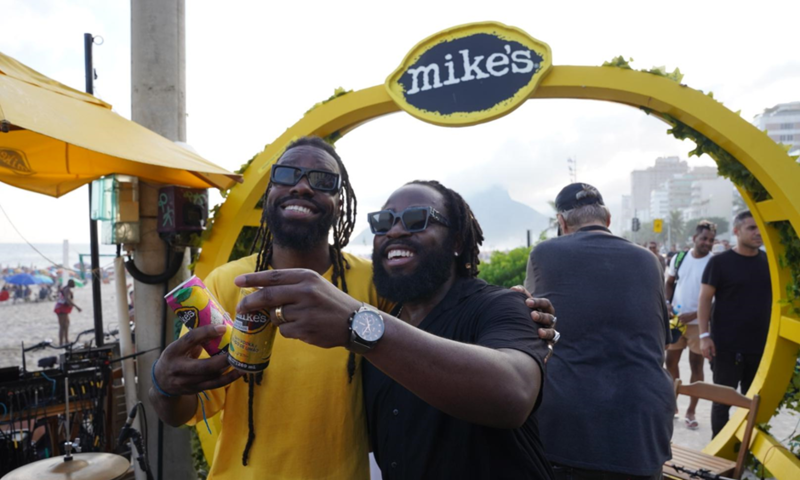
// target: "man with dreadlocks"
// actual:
[[304, 417], [455, 372]]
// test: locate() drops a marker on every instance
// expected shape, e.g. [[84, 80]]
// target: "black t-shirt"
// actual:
[[742, 301], [414, 440]]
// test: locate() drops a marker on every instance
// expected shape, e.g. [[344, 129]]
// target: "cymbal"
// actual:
[[83, 466]]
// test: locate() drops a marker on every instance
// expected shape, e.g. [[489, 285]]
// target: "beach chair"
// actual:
[[696, 460]]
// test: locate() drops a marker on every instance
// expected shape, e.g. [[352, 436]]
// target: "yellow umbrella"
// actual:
[[53, 139]]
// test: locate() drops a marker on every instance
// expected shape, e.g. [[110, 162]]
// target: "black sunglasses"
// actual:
[[321, 180], [415, 219]]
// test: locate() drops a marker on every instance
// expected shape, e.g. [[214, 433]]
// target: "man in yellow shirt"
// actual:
[[304, 417]]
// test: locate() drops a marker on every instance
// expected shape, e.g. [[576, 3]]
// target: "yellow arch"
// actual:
[[766, 160]]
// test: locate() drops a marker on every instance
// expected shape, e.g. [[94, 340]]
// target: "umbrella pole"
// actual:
[[95, 254]]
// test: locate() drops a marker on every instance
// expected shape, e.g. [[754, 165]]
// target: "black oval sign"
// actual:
[[469, 74]]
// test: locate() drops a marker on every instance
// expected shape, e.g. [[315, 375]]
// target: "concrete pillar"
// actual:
[[158, 101]]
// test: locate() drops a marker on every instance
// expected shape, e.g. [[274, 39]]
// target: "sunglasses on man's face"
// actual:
[[321, 180], [415, 219]]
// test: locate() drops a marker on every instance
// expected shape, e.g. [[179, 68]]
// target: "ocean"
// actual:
[[22, 255]]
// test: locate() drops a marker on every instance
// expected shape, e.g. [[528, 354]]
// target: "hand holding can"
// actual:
[[196, 307], [252, 339]]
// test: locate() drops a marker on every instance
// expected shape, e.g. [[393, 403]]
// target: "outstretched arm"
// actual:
[[493, 387], [497, 388]]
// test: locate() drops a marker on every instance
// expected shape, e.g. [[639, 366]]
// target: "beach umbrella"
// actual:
[[78, 283], [43, 279], [53, 139], [21, 279]]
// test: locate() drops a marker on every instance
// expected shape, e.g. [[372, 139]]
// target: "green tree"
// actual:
[[677, 227], [506, 269]]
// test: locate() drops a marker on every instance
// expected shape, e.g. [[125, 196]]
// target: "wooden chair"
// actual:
[[695, 460]]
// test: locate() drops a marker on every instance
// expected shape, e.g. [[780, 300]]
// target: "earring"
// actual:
[[455, 253]]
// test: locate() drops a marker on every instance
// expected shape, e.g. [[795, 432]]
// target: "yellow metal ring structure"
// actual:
[[765, 160]]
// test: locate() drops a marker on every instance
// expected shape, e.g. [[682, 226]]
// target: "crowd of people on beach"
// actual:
[[41, 291]]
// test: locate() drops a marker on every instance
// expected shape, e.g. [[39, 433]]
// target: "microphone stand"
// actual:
[[136, 438], [130, 433]]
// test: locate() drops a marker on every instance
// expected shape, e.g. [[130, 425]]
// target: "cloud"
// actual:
[[254, 68]]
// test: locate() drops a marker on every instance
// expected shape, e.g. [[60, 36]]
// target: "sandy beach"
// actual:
[[33, 322]]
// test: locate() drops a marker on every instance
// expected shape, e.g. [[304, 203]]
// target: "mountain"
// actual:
[[504, 221]]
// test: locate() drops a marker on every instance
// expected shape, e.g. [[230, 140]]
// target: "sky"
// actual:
[[253, 68]]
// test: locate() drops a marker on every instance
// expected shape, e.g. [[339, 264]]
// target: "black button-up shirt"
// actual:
[[413, 440]]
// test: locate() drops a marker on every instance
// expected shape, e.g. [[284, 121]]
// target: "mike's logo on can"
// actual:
[[189, 316], [469, 74]]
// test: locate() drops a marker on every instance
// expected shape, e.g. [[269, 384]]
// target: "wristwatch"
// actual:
[[366, 328]]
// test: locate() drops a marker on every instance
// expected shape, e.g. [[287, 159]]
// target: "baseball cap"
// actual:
[[577, 195]]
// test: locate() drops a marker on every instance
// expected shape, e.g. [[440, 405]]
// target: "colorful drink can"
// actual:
[[252, 338], [196, 307]]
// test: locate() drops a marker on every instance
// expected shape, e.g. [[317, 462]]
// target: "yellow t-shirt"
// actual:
[[309, 420]]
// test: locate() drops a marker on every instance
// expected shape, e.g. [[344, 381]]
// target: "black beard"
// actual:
[[435, 268], [298, 236]]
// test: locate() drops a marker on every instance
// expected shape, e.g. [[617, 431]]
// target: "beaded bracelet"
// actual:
[[155, 384], [162, 392]]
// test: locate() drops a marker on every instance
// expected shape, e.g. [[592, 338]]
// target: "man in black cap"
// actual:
[[610, 402]]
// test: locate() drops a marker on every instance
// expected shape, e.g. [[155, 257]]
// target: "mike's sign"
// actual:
[[469, 74]]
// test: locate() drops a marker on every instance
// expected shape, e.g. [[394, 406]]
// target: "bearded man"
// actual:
[[454, 373]]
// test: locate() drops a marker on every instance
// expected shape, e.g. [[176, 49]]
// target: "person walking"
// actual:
[[653, 247], [733, 337], [63, 308], [683, 290]]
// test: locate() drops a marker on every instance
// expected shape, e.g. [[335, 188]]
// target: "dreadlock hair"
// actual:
[[464, 226], [342, 229]]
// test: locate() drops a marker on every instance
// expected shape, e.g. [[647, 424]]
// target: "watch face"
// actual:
[[368, 326]]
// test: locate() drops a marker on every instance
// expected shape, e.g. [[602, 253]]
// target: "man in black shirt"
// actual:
[[455, 374], [738, 282], [608, 409]]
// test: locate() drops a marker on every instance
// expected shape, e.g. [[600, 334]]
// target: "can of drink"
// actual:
[[196, 307], [251, 340]]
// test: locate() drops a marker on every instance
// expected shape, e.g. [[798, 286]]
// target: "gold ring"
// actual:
[[279, 315]]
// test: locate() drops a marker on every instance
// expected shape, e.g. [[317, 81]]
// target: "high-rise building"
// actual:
[[626, 215], [711, 198], [643, 182], [680, 187], [782, 123], [659, 203]]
